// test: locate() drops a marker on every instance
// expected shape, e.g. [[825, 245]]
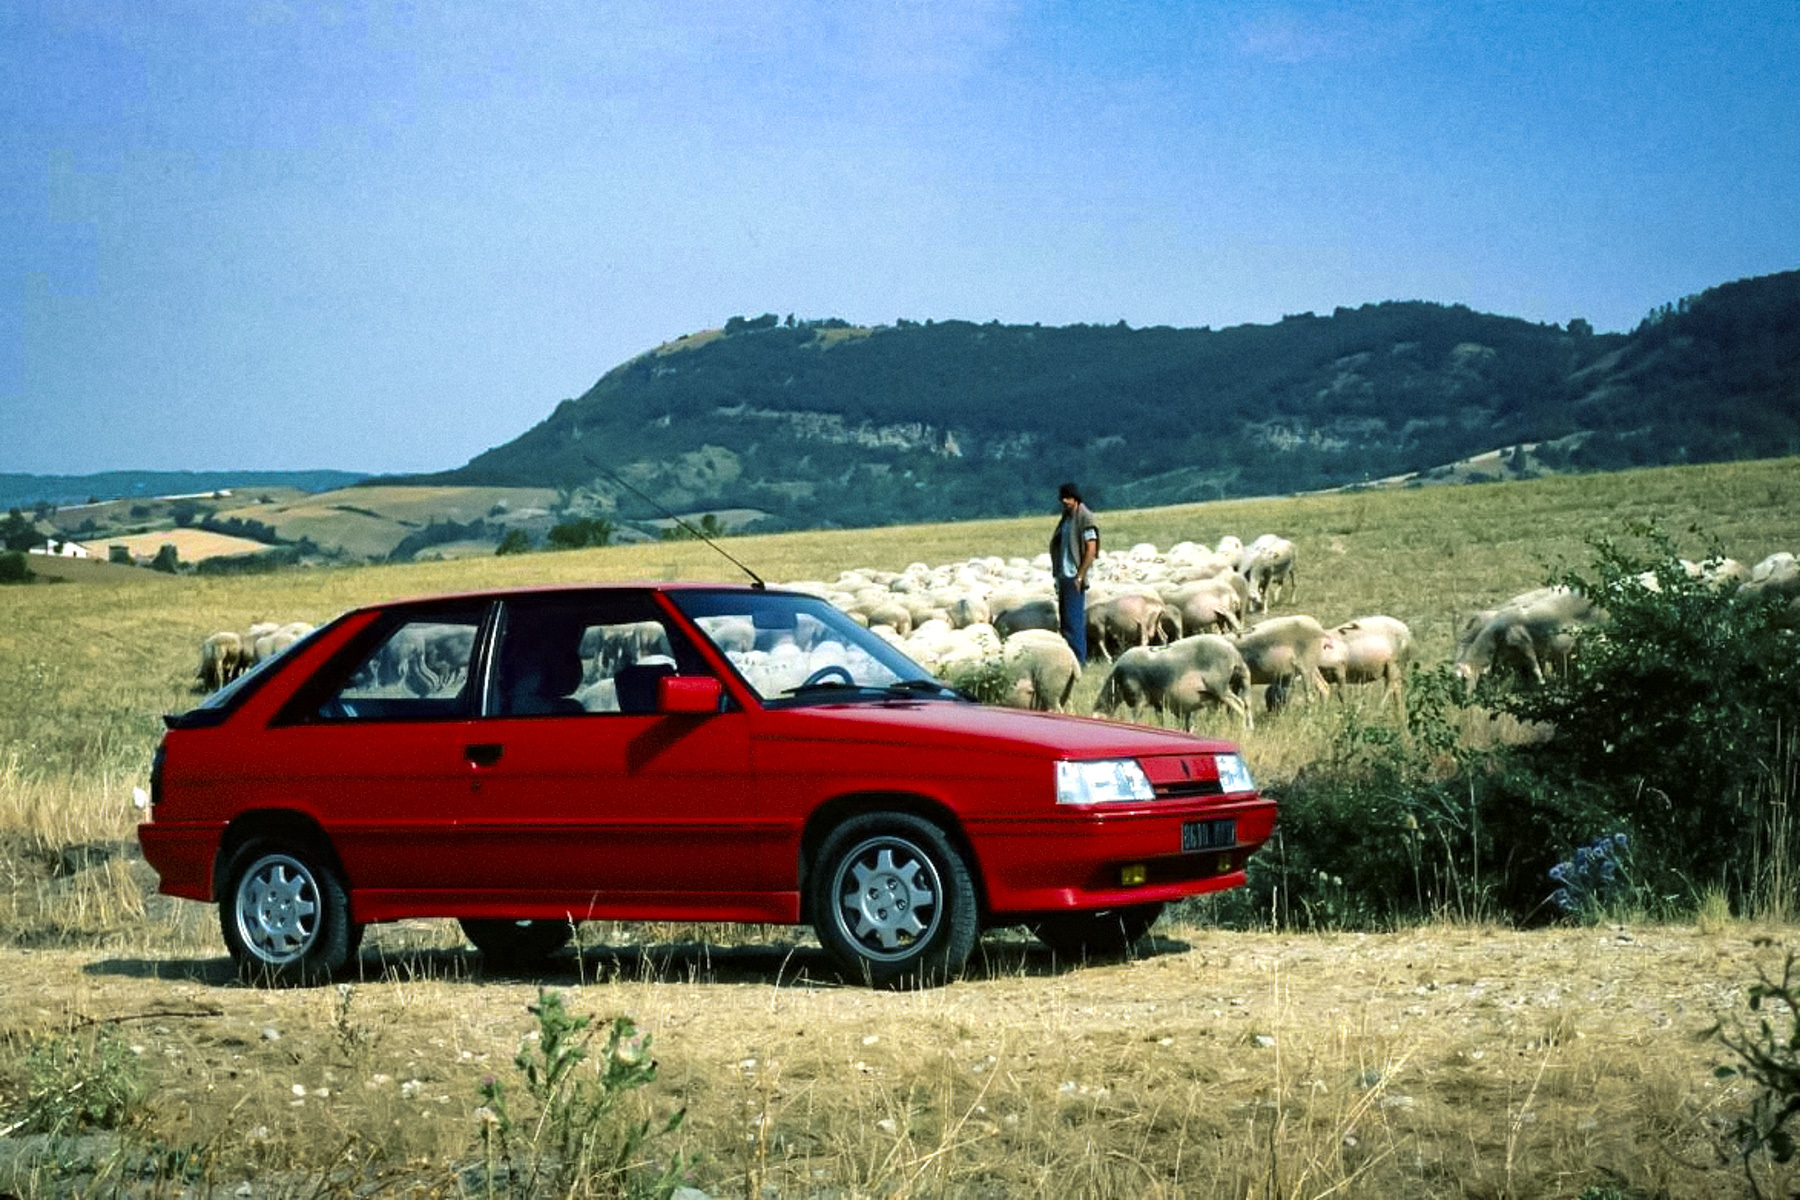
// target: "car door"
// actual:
[[375, 749], [591, 800]]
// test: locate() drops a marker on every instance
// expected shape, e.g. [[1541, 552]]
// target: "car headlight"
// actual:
[[1100, 782], [1234, 776]]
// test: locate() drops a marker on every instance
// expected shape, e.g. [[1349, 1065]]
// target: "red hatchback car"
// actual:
[[524, 760]]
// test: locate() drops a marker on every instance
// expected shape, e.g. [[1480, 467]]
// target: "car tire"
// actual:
[[893, 901], [1107, 933], [506, 943], [285, 915]]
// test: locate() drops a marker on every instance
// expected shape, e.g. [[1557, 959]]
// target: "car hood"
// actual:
[[973, 726]]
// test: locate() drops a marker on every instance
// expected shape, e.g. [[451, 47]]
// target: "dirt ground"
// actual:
[[1447, 1060]]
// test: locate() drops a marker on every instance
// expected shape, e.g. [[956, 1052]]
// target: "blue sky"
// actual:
[[386, 236]]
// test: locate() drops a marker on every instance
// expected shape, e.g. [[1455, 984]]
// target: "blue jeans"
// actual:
[[1071, 610]]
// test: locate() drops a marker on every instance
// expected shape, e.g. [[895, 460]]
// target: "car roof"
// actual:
[[550, 589]]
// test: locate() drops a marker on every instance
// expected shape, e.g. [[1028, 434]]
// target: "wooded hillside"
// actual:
[[820, 423]]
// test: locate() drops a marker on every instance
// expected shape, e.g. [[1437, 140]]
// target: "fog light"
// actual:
[[1133, 875], [1224, 864]]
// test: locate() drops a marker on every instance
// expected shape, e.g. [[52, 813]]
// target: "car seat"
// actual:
[[544, 684], [636, 683]]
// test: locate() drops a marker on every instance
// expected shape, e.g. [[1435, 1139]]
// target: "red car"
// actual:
[[523, 760]]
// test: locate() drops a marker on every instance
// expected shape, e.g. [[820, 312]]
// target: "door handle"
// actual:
[[484, 754]]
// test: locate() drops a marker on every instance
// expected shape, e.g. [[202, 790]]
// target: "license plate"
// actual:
[[1208, 835]]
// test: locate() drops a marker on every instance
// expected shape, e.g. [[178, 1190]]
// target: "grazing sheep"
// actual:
[[1041, 670], [1268, 566], [1178, 679], [1121, 621], [1281, 652], [1026, 614], [1206, 606], [1368, 650], [1532, 633], [221, 660]]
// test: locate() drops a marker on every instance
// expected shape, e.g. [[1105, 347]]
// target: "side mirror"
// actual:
[[688, 694]]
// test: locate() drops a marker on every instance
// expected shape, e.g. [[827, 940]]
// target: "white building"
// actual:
[[58, 549]]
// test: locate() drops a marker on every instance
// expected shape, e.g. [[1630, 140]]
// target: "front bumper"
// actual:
[[1076, 860]]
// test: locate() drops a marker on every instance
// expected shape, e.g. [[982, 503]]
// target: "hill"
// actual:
[[821, 424], [26, 491]]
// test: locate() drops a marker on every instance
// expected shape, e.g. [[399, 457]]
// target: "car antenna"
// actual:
[[757, 579]]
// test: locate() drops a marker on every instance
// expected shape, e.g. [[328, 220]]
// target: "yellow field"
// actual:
[[191, 545], [1444, 1060]]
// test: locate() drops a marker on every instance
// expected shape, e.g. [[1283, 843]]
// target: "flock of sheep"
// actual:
[[227, 654], [1170, 627]]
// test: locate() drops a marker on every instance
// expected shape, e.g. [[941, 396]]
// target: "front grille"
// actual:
[[1185, 789]]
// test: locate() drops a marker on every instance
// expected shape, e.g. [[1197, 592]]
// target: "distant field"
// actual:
[[192, 545]]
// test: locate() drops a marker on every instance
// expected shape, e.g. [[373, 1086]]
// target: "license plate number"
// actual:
[[1208, 835]]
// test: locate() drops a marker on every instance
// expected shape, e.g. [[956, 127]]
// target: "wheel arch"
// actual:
[[278, 824], [834, 812]]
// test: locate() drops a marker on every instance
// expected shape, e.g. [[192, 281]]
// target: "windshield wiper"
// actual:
[[928, 687]]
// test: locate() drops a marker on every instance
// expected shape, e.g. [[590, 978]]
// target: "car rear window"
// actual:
[[414, 668]]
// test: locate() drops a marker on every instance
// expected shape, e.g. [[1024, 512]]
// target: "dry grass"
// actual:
[[1446, 1060], [1437, 1061]]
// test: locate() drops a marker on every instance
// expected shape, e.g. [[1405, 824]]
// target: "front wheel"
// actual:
[[1108, 933], [285, 915], [893, 900], [516, 943]]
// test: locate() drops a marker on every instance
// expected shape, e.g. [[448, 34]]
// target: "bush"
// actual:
[[1404, 824], [1768, 1054], [578, 532], [166, 560], [437, 533], [516, 541], [15, 567], [1671, 715], [81, 1082]]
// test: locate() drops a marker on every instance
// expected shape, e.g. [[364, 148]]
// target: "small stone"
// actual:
[[1263, 1040], [271, 1034], [244, 1189]]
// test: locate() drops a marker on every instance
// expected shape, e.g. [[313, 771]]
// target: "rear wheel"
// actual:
[[1107, 933], [516, 943], [285, 914], [893, 900]]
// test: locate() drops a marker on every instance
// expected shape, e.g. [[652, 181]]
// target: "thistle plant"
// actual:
[[1595, 878], [573, 1140]]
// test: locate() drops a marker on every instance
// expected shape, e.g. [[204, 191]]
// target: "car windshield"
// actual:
[[797, 649]]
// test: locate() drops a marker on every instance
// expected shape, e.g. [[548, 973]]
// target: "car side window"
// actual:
[[419, 671], [602, 654]]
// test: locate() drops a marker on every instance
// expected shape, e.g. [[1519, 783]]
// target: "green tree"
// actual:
[[17, 532], [516, 541], [117, 553], [14, 568], [578, 532], [166, 560]]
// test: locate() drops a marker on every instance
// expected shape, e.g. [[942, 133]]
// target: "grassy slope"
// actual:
[[1429, 556], [1423, 1063]]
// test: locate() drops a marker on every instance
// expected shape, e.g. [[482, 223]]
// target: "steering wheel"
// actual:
[[828, 671]]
